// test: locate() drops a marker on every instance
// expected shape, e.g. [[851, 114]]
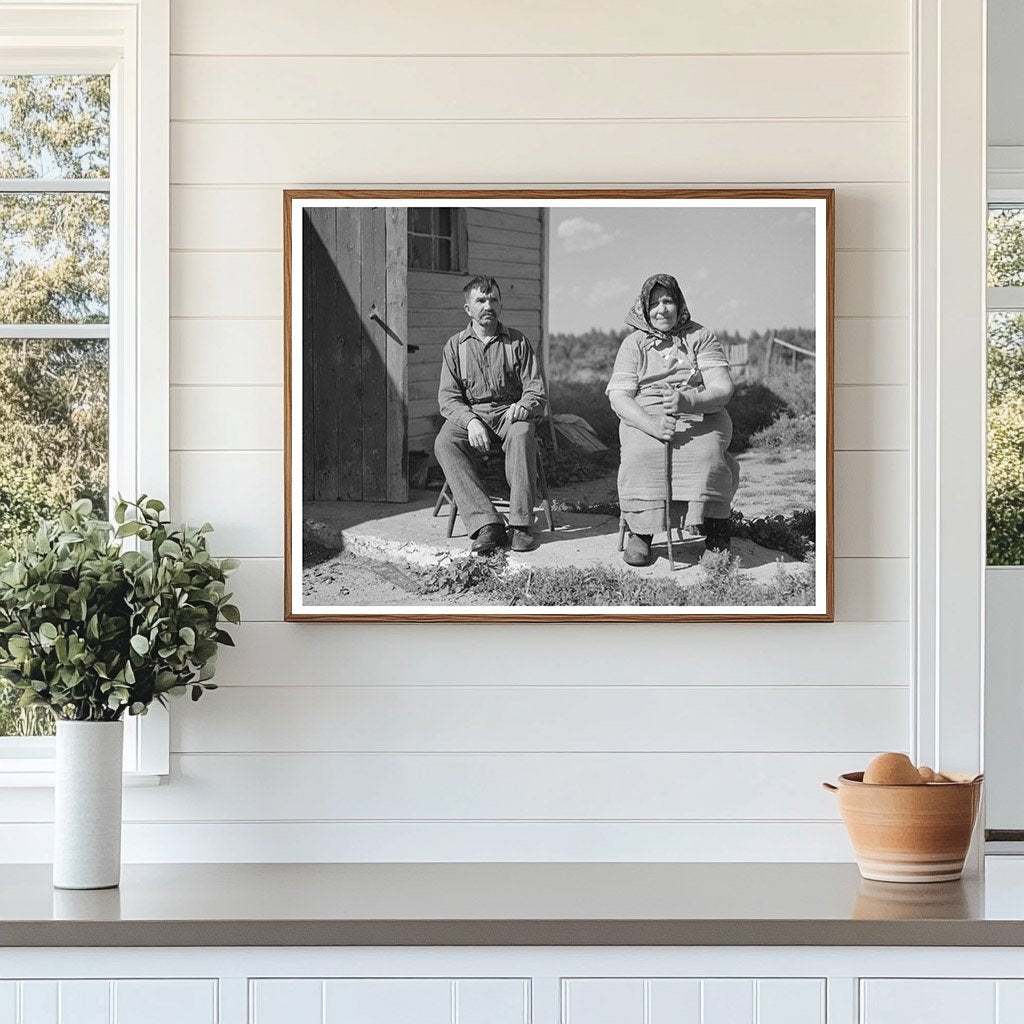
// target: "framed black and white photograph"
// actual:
[[558, 405]]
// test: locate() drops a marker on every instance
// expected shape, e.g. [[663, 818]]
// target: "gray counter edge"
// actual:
[[510, 933]]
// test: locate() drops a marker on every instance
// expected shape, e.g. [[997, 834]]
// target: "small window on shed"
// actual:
[[437, 239]]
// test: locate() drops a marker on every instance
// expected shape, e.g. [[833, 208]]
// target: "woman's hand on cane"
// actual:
[[663, 427], [675, 402]]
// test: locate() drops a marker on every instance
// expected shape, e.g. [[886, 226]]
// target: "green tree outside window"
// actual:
[[54, 307], [1005, 476]]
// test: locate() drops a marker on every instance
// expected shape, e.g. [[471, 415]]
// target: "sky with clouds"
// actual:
[[740, 269]]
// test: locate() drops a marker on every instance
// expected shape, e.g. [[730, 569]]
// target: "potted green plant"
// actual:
[[93, 630]]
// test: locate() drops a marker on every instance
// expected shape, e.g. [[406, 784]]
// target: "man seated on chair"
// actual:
[[491, 392]]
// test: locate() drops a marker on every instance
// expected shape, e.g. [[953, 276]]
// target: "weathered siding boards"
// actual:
[[396, 315], [349, 411], [332, 273], [374, 355], [308, 369]]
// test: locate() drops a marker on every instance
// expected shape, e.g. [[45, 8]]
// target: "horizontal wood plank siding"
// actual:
[[731, 26], [702, 741]]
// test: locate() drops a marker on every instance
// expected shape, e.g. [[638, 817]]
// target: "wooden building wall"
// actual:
[[505, 243]]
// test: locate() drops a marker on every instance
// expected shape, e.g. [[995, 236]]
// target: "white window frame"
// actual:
[[949, 442], [130, 41], [1003, 720]]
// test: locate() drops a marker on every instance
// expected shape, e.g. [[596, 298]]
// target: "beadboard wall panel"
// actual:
[[418, 152], [535, 719], [582, 27], [218, 88], [223, 842], [702, 741], [287, 654]]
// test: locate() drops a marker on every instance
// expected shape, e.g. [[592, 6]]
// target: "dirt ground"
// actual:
[[340, 578]]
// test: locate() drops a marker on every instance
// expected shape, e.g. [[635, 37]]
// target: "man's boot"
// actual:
[[523, 539], [489, 538]]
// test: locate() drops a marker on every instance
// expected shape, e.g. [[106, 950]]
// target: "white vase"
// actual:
[[87, 805]]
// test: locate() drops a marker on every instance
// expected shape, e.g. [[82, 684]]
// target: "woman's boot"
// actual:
[[638, 549], [716, 534]]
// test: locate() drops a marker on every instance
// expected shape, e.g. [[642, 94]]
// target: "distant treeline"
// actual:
[[593, 353]]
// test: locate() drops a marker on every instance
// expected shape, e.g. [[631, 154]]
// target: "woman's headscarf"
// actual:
[[639, 316]]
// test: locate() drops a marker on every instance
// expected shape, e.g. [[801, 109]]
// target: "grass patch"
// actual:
[[721, 584]]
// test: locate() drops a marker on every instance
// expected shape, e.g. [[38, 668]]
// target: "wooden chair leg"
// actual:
[[622, 532], [453, 511], [444, 493]]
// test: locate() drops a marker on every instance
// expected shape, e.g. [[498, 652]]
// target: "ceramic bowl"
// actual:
[[909, 833]]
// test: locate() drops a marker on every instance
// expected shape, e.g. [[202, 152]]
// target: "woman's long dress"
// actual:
[[702, 470]]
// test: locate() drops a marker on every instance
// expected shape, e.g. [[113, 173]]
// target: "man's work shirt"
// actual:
[[481, 379]]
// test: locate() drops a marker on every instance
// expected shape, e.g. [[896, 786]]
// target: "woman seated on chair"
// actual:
[[670, 386]]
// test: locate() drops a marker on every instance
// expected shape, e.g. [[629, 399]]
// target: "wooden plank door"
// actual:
[[355, 365]]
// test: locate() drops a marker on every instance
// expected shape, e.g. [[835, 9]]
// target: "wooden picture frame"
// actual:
[[354, 261]]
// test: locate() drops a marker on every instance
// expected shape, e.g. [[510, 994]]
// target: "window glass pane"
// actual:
[[1005, 482], [420, 252], [419, 219], [1005, 246], [54, 257], [54, 126], [444, 254], [54, 269], [444, 222]]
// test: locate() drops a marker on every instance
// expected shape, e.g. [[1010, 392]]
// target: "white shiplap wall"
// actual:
[[678, 741]]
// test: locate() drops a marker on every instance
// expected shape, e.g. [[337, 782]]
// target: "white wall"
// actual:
[[423, 742]]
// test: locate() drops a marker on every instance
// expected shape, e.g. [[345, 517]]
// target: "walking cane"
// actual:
[[668, 504]]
